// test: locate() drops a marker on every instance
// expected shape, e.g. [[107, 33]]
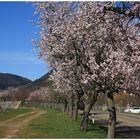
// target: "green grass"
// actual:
[[56, 124], [11, 113]]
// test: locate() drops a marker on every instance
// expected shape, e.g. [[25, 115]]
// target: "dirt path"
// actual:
[[13, 125]]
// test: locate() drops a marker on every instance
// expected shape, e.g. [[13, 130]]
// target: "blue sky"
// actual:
[[17, 54]]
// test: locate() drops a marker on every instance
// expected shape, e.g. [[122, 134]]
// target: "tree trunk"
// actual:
[[65, 105], [67, 110], [71, 106], [84, 122], [1, 109], [112, 116], [75, 114]]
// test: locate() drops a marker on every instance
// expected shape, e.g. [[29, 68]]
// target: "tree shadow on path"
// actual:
[[121, 130], [128, 131]]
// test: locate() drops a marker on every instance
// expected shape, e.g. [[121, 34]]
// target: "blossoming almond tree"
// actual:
[[96, 40], [70, 58], [40, 95]]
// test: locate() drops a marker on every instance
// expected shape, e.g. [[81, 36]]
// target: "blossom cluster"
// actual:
[[40, 95], [88, 44]]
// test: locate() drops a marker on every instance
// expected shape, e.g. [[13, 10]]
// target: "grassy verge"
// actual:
[[10, 113], [56, 124]]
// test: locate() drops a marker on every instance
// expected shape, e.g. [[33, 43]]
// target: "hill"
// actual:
[[22, 92], [41, 82], [10, 80]]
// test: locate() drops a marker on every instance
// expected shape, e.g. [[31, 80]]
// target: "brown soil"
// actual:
[[13, 125]]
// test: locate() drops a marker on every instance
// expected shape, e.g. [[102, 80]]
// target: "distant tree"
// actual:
[[38, 96], [123, 99], [21, 94]]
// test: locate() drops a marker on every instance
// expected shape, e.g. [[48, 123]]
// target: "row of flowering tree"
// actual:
[[93, 48]]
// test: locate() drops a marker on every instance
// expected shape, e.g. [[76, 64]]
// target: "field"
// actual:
[[11, 113], [38, 123], [55, 124]]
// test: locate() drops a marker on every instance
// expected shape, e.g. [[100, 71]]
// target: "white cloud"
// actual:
[[19, 58]]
